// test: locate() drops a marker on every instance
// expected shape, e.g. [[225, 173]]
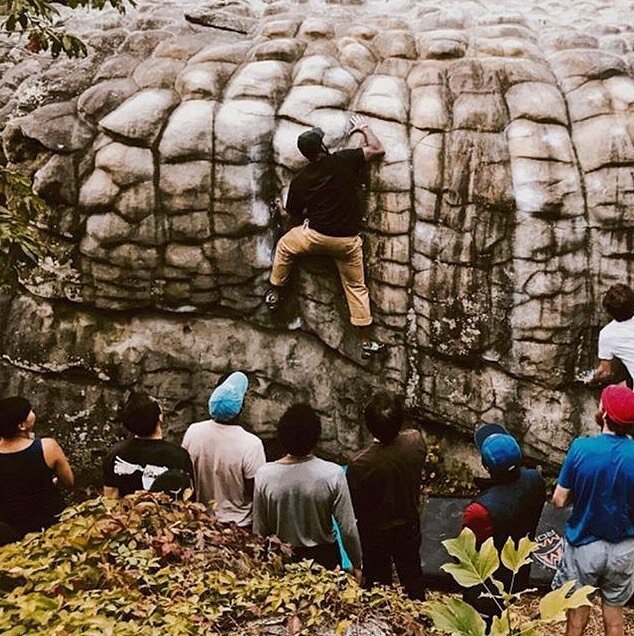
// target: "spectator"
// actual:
[[385, 481], [297, 496], [30, 468], [509, 506], [598, 478], [616, 339], [135, 463], [323, 205], [225, 456]]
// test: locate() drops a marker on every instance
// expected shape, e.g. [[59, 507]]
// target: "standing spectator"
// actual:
[[135, 463], [225, 456], [297, 497], [509, 506], [616, 339], [598, 478], [385, 481], [30, 468]]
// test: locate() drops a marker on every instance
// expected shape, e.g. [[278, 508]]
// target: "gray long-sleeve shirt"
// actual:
[[297, 501]]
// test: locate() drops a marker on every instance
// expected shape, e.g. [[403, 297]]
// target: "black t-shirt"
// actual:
[[325, 192], [134, 464], [385, 481]]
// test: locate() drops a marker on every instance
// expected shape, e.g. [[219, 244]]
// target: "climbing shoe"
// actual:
[[273, 298], [372, 348]]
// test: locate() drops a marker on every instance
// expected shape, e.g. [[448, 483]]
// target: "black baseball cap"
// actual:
[[311, 142]]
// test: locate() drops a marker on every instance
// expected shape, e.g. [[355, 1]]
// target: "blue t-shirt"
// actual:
[[600, 473]]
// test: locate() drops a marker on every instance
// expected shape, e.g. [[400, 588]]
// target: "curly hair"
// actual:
[[619, 302]]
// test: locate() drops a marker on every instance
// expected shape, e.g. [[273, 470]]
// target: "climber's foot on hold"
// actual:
[[273, 298], [372, 348]]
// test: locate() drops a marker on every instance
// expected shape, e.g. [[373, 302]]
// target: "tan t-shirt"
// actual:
[[224, 456]]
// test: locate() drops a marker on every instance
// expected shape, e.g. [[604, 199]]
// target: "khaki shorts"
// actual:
[[607, 566]]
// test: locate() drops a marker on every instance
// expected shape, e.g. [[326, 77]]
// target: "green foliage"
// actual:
[[39, 21], [20, 244], [477, 567], [145, 565]]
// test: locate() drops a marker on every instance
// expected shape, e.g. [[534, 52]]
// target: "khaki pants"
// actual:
[[348, 254]]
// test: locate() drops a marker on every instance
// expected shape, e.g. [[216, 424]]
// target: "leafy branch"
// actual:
[[40, 21], [478, 567]]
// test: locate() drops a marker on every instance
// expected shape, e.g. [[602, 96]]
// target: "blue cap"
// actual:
[[499, 449], [227, 399]]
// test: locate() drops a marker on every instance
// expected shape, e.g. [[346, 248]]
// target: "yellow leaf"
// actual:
[[514, 558], [554, 605]]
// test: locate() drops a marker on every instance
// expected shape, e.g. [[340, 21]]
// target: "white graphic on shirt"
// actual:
[[150, 472]]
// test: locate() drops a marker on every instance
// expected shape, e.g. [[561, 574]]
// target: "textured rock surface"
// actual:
[[502, 211]]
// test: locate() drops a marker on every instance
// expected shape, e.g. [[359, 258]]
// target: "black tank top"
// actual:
[[29, 501]]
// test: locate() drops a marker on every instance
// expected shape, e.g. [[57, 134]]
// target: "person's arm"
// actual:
[[478, 519], [563, 490], [602, 374], [260, 516], [343, 513], [561, 497], [250, 466], [57, 462], [373, 149]]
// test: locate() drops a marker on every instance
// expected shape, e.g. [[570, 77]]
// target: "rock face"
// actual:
[[502, 211]]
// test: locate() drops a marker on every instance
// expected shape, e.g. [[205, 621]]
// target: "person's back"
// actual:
[[29, 500], [225, 456], [134, 464], [327, 190], [600, 475], [515, 505], [385, 481], [298, 500]]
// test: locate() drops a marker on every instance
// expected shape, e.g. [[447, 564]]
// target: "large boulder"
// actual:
[[501, 212]]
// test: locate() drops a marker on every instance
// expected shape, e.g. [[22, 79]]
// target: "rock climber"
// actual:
[[616, 339], [510, 505], [597, 477], [324, 207]]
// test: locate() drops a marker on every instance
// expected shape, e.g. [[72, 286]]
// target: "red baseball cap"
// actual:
[[618, 403]]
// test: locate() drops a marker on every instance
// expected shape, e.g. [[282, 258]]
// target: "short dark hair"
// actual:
[[384, 416], [298, 430], [619, 302], [141, 414], [13, 411]]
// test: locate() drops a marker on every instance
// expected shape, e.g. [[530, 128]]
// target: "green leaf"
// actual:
[[455, 617], [514, 558], [553, 607], [474, 567]]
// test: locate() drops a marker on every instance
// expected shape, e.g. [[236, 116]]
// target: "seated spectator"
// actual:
[[616, 339], [225, 456], [385, 482], [509, 506], [297, 497], [597, 477], [30, 468], [135, 463]]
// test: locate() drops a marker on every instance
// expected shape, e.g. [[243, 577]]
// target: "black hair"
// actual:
[[384, 416], [619, 302], [141, 414], [298, 430], [13, 411]]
